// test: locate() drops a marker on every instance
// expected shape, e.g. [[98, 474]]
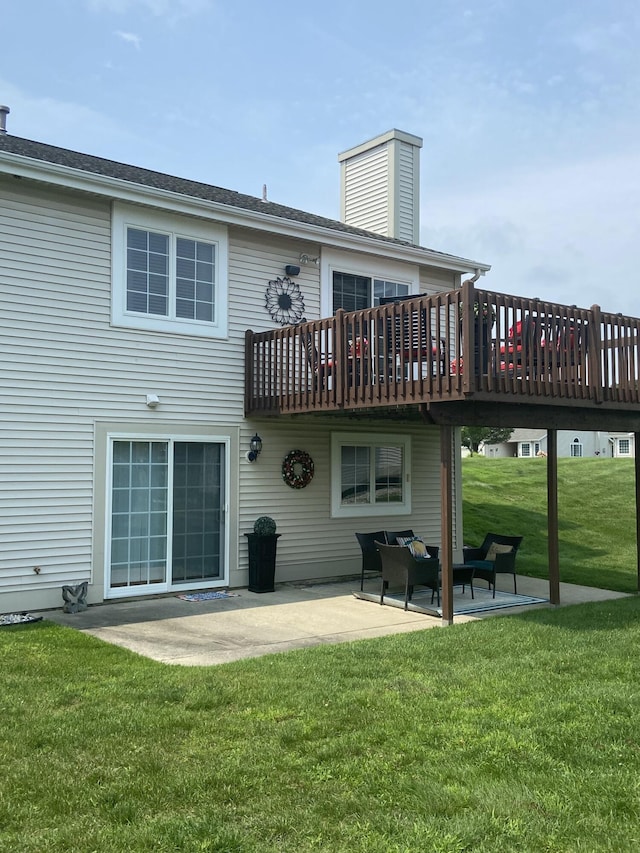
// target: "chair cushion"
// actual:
[[415, 544], [495, 548]]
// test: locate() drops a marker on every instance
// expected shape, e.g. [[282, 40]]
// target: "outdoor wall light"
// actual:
[[306, 259], [255, 448]]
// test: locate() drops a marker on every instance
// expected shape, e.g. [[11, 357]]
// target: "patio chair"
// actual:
[[321, 365], [410, 340], [392, 536], [524, 347], [370, 555], [496, 555], [399, 566]]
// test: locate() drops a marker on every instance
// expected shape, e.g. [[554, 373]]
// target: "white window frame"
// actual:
[[370, 267], [627, 446], [158, 588], [576, 444], [371, 440], [175, 226]]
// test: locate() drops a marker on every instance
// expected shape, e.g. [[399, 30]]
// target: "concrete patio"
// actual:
[[246, 624]]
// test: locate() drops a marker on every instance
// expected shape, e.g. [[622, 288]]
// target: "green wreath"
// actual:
[[297, 469]]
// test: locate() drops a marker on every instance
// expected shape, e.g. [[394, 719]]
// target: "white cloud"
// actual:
[[130, 37]]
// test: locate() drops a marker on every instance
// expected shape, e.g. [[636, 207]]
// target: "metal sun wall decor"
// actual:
[[284, 301]]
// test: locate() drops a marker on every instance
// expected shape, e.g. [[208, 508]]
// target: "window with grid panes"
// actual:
[[357, 292], [168, 279], [369, 474]]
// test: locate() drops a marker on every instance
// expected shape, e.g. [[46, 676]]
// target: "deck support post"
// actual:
[[446, 522], [552, 516], [636, 444]]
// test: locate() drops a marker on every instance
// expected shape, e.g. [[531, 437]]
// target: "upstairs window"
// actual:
[[355, 282], [357, 292], [169, 274]]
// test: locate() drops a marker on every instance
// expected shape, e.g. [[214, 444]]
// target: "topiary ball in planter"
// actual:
[[264, 526]]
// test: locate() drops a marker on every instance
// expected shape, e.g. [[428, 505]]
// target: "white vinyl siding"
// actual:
[[366, 191], [433, 280], [54, 282], [407, 193], [67, 369], [380, 186]]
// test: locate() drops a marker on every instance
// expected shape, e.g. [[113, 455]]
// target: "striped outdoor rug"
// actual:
[[462, 602]]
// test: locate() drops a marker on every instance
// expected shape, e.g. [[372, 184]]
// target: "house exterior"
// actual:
[[623, 445], [126, 299], [576, 444]]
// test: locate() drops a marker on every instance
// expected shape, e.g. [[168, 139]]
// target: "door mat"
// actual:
[[18, 619], [462, 602], [207, 596]]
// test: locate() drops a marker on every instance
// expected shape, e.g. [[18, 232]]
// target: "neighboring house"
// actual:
[[529, 443], [126, 295], [623, 445]]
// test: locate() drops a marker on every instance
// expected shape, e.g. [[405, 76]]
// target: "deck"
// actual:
[[467, 356]]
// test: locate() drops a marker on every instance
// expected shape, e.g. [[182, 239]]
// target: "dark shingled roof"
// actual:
[[182, 186]]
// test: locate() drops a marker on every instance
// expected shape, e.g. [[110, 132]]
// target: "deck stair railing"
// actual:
[[446, 346]]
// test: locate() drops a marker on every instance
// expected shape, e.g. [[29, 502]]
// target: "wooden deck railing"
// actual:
[[467, 343]]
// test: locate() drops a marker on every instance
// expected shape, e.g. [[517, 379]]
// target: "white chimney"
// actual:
[[4, 112], [380, 185]]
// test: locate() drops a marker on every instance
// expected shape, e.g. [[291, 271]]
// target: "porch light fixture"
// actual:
[[306, 259], [255, 448]]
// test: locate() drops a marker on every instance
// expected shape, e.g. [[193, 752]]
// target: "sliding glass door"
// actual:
[[167, 515]]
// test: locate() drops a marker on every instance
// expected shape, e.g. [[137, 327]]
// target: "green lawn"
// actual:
[[515, 733], [596, 508]]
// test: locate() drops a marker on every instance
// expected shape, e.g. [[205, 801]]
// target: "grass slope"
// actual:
[[518, 733], [596, 509]]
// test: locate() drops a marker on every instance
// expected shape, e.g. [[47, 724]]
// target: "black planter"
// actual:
[[262, 561]]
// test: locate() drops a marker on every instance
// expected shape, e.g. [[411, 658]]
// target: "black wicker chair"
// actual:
[[400, 567], [392, 535], [370, 555], [488, 562]]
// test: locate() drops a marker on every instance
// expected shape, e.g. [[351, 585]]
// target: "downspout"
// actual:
[[475, 277]]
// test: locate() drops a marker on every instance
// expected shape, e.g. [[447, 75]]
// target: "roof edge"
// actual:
[[63, 175]]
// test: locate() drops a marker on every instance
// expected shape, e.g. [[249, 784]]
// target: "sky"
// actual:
[[529, 112]]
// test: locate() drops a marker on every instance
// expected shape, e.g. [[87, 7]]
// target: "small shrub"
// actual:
[[264, 526]]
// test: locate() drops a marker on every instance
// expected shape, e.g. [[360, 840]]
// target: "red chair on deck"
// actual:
[[524, 347]]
